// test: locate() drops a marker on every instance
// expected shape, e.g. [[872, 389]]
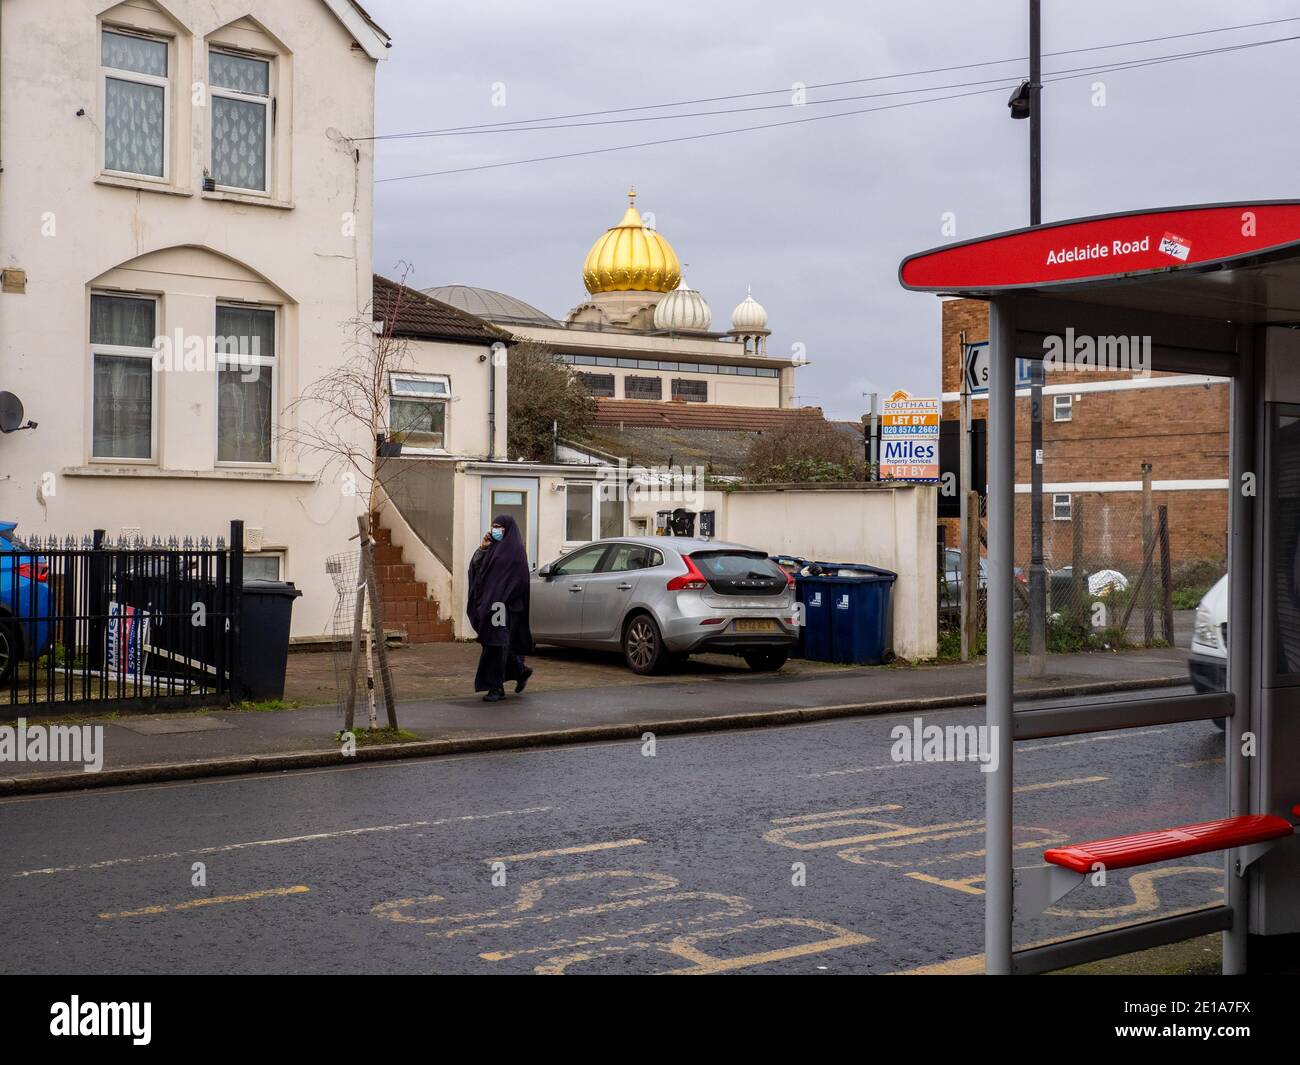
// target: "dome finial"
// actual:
[[631, 195]]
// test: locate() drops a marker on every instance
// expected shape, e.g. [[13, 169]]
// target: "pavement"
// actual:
[[799, 849], [574, 697]]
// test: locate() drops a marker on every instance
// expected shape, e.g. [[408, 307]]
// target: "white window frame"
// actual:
[[93, 349], [116, 74], [1067, 407], [395, 391], [279, 556], [240, 360], [246, 97], [596, 504], [1062, 500]]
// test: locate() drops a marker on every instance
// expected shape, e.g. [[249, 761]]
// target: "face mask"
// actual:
[[497, 533]]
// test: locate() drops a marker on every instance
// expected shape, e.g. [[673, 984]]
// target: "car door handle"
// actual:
[[575, 587], [624, 587]]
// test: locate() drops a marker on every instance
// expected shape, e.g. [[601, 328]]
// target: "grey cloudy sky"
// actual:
[[814, 216]]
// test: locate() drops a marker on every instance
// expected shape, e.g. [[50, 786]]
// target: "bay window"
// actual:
[[136, 103], [122, 333]]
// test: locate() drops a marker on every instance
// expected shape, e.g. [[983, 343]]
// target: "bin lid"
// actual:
[[850, 570], [261, 586], [848, 578]]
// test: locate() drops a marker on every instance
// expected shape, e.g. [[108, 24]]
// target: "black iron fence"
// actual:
[[104, 624]]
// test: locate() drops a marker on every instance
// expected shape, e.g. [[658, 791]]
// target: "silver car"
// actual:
[[656, 598]]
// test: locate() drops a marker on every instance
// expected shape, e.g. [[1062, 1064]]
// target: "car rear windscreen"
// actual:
[[740, 572]]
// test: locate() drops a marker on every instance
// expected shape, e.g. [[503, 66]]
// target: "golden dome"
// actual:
[[631, 258]]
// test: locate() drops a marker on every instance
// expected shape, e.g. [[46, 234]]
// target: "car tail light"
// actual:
[[789, 579], [691, 580], [38, 572], [713, 621]]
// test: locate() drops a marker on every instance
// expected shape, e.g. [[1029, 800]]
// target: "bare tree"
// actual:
[[344, 416]]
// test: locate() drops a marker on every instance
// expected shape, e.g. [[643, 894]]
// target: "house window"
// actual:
[[591, 514], [246, 385], [598, 384], [265, 566], [643, 388], [611, 510], [136, 103], [417, 410], [242, 109], [122, 333], [691, 391], [1061, 506], [1062, 408]]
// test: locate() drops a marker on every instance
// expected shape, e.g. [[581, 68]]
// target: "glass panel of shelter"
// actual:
[[1133, 512]]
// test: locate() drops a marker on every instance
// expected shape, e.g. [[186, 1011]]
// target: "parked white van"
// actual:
[[1208, 662]]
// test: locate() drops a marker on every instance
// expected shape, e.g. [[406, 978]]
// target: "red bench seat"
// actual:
[[1145, 848]]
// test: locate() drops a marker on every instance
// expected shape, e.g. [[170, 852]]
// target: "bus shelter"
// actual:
[[1213, 289]]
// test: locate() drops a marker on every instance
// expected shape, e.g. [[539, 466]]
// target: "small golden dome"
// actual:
[[631, 258]]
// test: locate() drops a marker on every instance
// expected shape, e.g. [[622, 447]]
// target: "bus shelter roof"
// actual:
[[1237, 262]]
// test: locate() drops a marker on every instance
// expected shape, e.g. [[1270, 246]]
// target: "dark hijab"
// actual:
[[499, 573]]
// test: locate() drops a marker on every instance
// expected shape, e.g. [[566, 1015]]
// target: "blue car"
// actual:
[[25, 624]]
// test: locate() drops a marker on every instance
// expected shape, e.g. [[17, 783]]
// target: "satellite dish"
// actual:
[[11, 412]]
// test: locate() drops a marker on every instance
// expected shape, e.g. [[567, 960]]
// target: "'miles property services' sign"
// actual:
[[909, 438]]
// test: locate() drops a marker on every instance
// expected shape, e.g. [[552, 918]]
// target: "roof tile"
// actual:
[[421, 317]]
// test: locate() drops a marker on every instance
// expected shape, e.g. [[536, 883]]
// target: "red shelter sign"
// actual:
[[1110, 246]]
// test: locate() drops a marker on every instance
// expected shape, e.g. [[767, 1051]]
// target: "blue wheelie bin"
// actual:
[[861, 622], [815, 635]]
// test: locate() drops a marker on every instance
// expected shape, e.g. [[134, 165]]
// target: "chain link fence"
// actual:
[[1112, 574]]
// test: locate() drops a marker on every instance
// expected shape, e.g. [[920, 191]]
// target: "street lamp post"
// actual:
[[1025, 103]]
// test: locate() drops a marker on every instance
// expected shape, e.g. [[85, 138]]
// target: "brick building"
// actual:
[[1098, 430]]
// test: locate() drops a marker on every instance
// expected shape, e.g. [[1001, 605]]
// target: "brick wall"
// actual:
[[1182, 432]]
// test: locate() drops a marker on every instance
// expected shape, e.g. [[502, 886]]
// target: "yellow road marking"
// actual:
[[966, 884], [1200, 764], [214, 900], [686, 947], [585, 848], [1145, 897], [835, 813], [1051, 839], [1057, 784]]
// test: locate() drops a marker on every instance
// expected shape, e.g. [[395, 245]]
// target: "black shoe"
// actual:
[[523, 679], [494, 696]]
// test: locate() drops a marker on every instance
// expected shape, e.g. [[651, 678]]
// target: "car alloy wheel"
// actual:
[[8, 649], [641, 645]]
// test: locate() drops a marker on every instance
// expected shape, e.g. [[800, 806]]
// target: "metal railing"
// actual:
[[105, 624]]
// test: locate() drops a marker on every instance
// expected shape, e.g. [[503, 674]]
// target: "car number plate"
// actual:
[[755, 625]]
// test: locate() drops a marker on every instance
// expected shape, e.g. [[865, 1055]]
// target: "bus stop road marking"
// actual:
[[966, 885], [215, 900], [585, 848]]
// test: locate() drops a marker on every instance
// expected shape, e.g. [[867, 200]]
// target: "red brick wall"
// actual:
[[1182, 432]]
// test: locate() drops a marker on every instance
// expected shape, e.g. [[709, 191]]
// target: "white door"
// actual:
[[516, 496]]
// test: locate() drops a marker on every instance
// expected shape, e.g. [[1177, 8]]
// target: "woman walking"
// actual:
[[498, 609]]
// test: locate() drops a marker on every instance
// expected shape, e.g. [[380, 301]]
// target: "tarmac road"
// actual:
[[613, 859]]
